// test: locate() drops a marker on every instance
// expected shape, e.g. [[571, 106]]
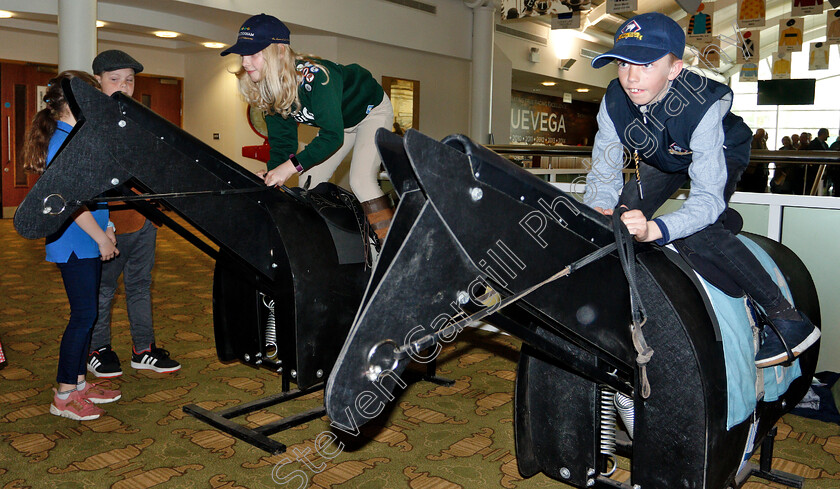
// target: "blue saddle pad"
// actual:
[[736, 332]]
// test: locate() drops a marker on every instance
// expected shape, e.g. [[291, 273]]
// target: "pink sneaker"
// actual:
[[98, 395], [75, 407]]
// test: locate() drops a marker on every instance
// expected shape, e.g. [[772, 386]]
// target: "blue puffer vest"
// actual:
[[662, 135]]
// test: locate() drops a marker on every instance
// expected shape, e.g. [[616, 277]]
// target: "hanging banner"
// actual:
[[622, 6], [748, 50], [749, 73], [818, 59], [566, 21], [806, 7], [781, 66], [520, 9], [709, 54], [790, 35], [833, 27], [751, 13], [700, 24]]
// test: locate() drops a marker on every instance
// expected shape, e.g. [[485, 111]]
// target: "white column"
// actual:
[[76, 34], [484, 28]]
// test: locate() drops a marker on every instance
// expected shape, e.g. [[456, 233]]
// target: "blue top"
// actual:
[[72, 239]]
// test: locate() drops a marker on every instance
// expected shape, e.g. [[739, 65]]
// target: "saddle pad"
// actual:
[[735, 322]]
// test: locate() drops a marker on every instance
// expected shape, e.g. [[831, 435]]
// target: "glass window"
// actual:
[[785, 120]]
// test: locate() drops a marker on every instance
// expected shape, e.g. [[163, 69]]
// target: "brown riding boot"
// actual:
[[379, 213]]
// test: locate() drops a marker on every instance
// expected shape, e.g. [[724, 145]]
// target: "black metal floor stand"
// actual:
[[259, 436], [764, 469]]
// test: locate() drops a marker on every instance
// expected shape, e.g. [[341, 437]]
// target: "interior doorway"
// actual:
[[22, 86]]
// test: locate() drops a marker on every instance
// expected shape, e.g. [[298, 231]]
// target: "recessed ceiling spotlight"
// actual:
[[582, 90], [99, 23], [166, 34], [5, 14], [548, 83], [214, 45]]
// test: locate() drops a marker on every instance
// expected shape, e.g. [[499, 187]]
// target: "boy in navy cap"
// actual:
[[675, 125]]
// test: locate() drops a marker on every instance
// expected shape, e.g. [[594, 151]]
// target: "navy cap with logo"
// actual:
[[257, 33], [644, 39]]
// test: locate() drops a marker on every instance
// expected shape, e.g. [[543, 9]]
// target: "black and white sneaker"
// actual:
[[154, 358], [104, 363]]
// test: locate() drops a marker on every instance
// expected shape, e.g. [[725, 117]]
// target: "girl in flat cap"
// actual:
[[344, 101]]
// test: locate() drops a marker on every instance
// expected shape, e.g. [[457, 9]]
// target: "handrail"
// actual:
[[799, 157], [757, 155]]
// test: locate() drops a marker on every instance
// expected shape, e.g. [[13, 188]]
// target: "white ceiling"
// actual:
[[128, 22]]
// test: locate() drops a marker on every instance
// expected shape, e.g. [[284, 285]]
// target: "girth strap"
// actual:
[[627, 256]]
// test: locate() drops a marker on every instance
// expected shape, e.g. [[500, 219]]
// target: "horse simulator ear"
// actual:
[[476, 237]]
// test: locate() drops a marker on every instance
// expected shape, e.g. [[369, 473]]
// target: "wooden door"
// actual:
[[19, 98], [161, 94]]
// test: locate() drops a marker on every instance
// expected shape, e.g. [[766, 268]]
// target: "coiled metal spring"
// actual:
[[624, 404], [270, 329], [607, 424]]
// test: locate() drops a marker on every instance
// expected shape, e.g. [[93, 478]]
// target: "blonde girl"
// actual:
[[344, 101]]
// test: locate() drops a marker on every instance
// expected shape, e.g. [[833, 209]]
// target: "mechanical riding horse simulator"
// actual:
[[474, 238], [478, 238], [290, 269]]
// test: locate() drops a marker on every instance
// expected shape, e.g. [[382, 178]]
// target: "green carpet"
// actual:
[[430, 437]]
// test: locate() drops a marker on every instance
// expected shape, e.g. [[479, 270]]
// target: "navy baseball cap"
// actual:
[[644, 39], [257, 33]]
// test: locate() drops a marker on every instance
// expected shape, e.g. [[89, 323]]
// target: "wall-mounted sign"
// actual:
[[540, 119]]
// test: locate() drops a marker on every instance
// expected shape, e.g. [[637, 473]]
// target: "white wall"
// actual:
[[212, 103], [25, 46], [565, 45], [448, 32], [17, 45], [444, 81]]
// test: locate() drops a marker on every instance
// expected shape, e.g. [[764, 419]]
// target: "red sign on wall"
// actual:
[[539, 119]]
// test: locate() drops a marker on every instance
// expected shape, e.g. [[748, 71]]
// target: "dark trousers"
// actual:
[[715, 243], [81, 281], [135, 263]]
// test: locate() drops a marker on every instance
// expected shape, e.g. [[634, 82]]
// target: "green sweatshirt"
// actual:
[[343, 102]]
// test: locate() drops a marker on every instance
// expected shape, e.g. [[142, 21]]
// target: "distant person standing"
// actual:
[[787, 144], [780, 184], [832, 172], [115, 71], [754, 178]]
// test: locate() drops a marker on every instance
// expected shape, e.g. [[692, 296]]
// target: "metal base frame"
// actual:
[[259, 436], [764, 468]]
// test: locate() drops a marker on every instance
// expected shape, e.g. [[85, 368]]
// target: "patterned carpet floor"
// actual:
[[431, 437]]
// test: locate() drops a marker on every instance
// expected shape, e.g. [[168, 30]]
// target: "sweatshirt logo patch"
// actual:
[[674, 149], [307, 75]]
